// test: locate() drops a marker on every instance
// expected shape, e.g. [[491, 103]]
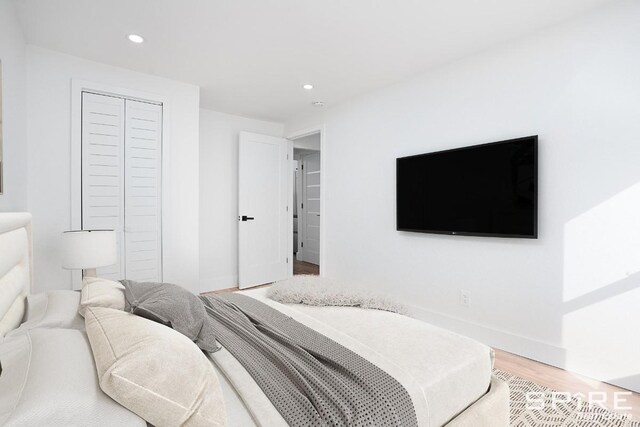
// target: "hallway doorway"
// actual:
[[306, 201]]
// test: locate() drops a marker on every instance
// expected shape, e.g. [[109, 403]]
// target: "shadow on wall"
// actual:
[[601, 290]]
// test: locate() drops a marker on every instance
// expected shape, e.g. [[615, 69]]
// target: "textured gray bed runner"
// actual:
[[309, 378]]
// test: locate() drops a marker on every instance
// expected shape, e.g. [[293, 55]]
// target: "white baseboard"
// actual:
[[539, 351], [217, 283], [503, 340], [522, 346]]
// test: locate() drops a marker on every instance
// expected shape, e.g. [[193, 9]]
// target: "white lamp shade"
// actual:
[[85, 249]]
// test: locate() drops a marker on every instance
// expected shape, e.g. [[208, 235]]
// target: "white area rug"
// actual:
[[553, 410]]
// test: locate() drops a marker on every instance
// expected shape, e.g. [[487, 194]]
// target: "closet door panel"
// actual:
[[143, 154], [103, 138]]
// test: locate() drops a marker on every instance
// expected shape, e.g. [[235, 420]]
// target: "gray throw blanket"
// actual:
[[310, 379]]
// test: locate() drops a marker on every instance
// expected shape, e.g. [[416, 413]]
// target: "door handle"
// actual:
[[247, 218]]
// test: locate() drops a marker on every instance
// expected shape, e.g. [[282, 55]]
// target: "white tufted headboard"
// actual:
[[15, 268]]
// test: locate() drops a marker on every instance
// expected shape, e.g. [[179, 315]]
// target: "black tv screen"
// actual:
[[482, 190]]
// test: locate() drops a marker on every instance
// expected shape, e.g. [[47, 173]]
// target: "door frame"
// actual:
[[323, 205], [77, 87]]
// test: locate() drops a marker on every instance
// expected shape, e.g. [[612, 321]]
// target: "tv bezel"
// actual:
[[467, 233]]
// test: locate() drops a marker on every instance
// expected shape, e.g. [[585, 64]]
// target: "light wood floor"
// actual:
[[222, 291], [564, 381], [302, 267], [299, 267]]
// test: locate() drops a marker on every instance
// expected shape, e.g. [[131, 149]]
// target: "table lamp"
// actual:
[[87, 250]]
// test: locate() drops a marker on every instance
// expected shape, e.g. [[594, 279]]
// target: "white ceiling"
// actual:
[[251, 57]]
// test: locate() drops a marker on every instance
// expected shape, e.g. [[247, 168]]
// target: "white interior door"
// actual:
[[309, 212], [265, 214]]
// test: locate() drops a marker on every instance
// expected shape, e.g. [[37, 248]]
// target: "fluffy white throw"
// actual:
[[315, 290]]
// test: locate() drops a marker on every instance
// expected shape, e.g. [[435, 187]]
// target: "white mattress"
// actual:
[[443, 372], [237, 413]]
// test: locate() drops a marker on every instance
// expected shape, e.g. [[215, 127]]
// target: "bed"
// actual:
[[447, 376]]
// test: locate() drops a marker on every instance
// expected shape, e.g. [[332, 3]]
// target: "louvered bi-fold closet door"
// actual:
[[121, 181], [103, 137], [143, 165]]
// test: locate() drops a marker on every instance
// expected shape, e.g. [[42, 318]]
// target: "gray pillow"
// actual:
[[172, 306]]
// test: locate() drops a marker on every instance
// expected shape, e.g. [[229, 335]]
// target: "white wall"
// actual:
[[570, 298], [14, 94], [219, 194], [49, 76]]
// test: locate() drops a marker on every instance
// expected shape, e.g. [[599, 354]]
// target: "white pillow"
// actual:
[[97, 292], [53, 309], [49, 379], [154, 371], [12, 317]]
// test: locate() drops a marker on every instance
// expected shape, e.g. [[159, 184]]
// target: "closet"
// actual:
[[121, 181]]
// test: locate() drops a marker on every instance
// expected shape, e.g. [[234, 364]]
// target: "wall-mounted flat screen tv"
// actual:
[[481, 190]]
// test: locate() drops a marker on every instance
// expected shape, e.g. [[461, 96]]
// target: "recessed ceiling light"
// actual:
[[318, 103], [135, 38], [308, 87]]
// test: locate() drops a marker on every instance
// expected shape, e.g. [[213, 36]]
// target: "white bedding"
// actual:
[[49, 379], [443, 372]]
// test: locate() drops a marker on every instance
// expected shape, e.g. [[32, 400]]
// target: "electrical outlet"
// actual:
[[465, 300]]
